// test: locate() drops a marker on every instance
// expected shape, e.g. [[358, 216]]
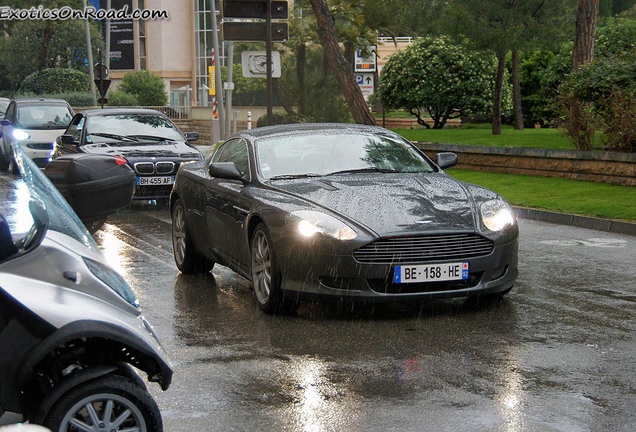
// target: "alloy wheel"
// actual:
[[179, 233], [103, 412], [261, 267]]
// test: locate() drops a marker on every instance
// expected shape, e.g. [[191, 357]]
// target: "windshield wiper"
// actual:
[[294, 176], [151, 137], [365, 170], [114, 136]]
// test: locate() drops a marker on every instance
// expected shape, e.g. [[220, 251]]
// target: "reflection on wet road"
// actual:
[[556, 354]]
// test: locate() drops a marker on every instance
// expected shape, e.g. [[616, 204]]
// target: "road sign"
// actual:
[[253, 9], [101, 71], [255, 64], [102, 86], [365, 82], [253, 31], [365, 63]]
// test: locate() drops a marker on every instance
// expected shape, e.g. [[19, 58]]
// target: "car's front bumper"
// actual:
[[313, 270]]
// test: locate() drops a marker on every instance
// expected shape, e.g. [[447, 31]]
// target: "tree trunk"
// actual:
[[585, 34], [301, 67], [516, 90], [496, 109], [339, 65], [47, 35]]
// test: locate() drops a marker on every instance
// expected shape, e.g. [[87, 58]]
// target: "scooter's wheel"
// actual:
[[109, 403]]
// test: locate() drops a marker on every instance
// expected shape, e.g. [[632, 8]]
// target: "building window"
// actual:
[[143, 56], [203, 16]]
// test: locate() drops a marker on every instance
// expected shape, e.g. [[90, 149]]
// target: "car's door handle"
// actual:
[[72, 276], [241, 210]]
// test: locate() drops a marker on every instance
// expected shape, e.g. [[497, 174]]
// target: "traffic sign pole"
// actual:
[[270, 82]]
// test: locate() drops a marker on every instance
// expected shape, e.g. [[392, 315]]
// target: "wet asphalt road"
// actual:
[[557, 354]]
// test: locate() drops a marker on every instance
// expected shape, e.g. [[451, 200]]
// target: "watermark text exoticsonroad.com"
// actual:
[[64, 13]]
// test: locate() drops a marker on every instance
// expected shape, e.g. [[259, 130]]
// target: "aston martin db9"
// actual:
[[340, 211]]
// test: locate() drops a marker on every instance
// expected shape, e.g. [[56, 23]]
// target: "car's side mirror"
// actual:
[[225, 170], [192, 136], [446, 160], [68, 139]]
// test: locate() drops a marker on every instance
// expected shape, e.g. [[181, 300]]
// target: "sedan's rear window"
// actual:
[[318, 154]]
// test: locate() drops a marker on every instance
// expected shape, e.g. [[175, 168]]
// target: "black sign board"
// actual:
[[253, 9], [122, 38], [253, 31]]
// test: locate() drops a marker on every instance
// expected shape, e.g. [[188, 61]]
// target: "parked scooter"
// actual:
[[71, 330]]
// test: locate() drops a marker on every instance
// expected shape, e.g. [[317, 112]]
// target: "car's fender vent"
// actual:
[[40, 146], [421, 249]]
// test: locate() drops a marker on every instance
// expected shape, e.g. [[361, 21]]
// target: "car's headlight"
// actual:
[[497, 215], [310, 222], [20, 135]]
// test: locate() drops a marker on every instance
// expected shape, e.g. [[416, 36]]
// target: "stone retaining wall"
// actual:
[[604, 167]]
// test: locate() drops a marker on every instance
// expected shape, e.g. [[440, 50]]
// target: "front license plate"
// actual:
[[154, 181], [430, 272]]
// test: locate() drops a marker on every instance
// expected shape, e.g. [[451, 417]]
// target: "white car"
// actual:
[[34, 124]]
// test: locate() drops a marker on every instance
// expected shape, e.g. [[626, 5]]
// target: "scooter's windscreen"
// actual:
[[62, 218]]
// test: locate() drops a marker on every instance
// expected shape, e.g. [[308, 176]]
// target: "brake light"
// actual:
[[120, 160]]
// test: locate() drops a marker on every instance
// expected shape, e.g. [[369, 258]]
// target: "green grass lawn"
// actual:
[[481, 135], [560, 195]]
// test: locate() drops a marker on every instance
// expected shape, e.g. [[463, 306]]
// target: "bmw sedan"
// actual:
[[340, 211], [146, 139]]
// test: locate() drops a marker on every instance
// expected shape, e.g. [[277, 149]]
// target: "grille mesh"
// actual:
[[419, 249]]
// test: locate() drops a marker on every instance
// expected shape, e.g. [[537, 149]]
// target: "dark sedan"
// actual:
[[341, 211], [150, 143]]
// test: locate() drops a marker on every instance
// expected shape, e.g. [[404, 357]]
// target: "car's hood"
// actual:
[[43, 135], [159, 150], [391, 204]]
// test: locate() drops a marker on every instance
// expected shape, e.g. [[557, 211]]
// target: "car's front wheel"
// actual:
[[187, 258], [110, 403], [266, 276]]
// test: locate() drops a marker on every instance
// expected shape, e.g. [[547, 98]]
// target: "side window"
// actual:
[[233, 151]]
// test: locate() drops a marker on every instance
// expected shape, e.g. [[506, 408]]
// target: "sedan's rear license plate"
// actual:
[[154, 181], [430, 272]]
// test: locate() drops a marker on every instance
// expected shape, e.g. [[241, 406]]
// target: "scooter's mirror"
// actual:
[[7, 247], [40, 225]]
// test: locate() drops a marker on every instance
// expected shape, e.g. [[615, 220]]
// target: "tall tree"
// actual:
[[342, 70], [585, 33], [504, 25]]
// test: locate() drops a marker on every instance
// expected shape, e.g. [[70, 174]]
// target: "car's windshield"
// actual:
[[324, 154], [43, 116], [62, 218], [140, 128]]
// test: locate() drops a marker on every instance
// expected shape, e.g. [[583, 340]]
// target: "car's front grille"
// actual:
[[388, 287], [164, 167], [145, 167], [40, 146], [420, 249]]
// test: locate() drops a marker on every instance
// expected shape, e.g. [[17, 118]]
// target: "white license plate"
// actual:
[[154, 181], [430, 272]]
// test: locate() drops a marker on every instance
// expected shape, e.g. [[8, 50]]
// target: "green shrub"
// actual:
[[444, 78], [121, 98], [56, 80], [148, 88]]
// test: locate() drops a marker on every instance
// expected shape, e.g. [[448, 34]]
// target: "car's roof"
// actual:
[[115, 111], [310, 129], [42, 101]]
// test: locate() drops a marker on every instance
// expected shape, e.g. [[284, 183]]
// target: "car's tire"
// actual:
[[110, 403], [4, 163], [266, 276], [187, 258]]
